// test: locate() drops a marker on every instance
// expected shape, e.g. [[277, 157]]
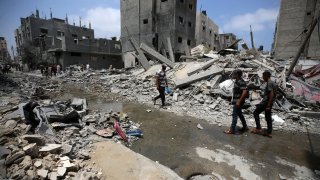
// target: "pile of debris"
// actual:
[[47, 139], [203, 88]]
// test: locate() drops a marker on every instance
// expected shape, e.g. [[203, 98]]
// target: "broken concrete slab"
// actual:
[[10, 124], [61, 171], [42, 173], [53, 176], [38, 139], [170, 50], [264, 65], [37, 164], [141, 57], [31, 150], [50, 148], [203, 67], [197, 77], [4, 152], [175, 97], [11, 159], [26, 163], [215, 81], [156, 55]]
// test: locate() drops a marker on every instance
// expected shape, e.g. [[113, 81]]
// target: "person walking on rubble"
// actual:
[[162, 83], [268, 94], [239, 95]]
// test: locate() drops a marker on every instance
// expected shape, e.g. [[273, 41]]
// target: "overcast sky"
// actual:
[[231, 16]]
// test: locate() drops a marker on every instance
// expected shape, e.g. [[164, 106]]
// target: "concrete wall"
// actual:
[[294, 18], [96, 61], [207, 32], [226, 40]]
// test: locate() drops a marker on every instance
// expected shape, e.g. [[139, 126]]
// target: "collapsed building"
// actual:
[[59, 42], [4, 54], [160, 24], [295, 17]]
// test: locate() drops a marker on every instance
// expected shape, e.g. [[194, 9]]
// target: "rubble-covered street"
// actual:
[[71, 112]]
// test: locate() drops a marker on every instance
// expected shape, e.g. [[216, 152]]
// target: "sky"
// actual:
[[234, 16]]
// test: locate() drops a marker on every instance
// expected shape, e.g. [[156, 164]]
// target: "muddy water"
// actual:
[[176, 142]]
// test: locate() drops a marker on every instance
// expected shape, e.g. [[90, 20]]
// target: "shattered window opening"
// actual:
[[181, 20], [189, 24], [190, 6], [179, 39], [164, 0], [189, 42], [145, 21]]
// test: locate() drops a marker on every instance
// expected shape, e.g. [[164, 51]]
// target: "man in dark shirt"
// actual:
[[268, 95], [239, 95], [161, 82]]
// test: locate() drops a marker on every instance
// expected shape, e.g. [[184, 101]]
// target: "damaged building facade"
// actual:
[[59, 42], [157, 23], [227, 39], [4, 53], [295, 17], [207, 32]]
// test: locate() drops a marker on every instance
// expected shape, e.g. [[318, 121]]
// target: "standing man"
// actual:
[[239, 95], [162, 83], [268, 94]]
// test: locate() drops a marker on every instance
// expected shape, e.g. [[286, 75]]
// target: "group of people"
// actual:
[[5, 68], [51, 70], [240, 93]]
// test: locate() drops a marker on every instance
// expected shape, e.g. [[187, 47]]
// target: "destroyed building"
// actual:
[[295, 17], [62, 43], [207, 32], [157, 23], [227, 39], [4, 54]]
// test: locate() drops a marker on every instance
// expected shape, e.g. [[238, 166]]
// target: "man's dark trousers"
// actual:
[[161, 95], [259, 109], [237, 112]]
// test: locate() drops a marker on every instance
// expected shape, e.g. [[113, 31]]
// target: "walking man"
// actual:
[[161, 82], [268, 94], [239, 95]]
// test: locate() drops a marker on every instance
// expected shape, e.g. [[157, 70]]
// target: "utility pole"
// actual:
[[12, 49], [251, 35], [303, 45]]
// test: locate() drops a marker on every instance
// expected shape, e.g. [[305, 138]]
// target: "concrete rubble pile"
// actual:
[[42, 138], [203, 89]]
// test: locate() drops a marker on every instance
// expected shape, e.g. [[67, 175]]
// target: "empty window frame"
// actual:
[[189, 42], [74, 35], [189, 24], [164, 0], [181, 20], [117, 46], [204, 28], [145, 21], [182, 1], [179, 39], [190, 6]]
